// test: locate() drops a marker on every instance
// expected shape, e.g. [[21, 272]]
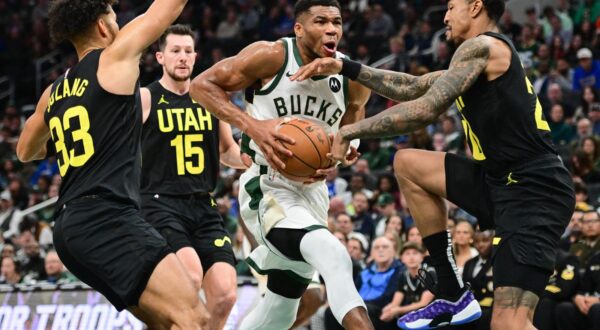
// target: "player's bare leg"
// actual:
[[310, 302], [422, 178], [190, 260], [220, 287], [357, 319], [171, 298], [513, 308]]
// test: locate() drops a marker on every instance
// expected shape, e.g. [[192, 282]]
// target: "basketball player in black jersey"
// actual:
[[92, 113], [181, 145], [515, 179]]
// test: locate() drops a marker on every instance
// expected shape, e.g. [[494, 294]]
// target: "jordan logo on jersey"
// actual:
[[162, 100]]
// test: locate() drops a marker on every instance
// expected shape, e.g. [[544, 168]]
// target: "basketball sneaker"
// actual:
[[442, 311]]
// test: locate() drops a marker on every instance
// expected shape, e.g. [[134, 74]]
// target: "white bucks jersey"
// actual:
[[322, 98]]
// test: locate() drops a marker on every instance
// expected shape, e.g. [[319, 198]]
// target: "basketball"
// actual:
[[310, 150]]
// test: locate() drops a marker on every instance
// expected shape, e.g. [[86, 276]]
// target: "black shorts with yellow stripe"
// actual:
[[529, 205], [190, 221]]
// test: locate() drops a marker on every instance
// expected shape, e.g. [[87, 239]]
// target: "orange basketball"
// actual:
[[310, 150]]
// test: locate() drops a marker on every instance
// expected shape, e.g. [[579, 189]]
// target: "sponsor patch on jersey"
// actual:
[[334, 84]]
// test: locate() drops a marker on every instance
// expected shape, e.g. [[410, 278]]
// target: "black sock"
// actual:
[[442, 259]]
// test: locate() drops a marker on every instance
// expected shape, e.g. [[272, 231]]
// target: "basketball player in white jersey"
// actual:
[[288, 218]]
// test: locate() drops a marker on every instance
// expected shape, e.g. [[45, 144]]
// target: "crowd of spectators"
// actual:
[[559, 48]]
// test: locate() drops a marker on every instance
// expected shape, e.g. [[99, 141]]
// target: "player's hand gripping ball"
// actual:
[[310, 150]]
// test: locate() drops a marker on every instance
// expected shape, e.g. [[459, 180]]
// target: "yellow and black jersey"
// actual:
[[180, 145], [503, 118], [96, 135]]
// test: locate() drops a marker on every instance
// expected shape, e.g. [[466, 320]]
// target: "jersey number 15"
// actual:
[[185, 150]]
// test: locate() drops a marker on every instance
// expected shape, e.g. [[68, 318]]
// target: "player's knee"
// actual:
[[224, 302], [404, 160]]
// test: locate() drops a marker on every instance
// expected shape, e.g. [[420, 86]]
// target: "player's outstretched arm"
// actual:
[[35, 134], [228, 148], [469, 61], [258, 61], [396, 86], [121, 58], [145, 29]]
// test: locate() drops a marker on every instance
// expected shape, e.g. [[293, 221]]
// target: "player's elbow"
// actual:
[[24, 154], [199, 88]]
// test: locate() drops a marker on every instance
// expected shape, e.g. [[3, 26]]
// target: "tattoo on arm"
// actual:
[[468, 63], [397, 86], [512, 297]]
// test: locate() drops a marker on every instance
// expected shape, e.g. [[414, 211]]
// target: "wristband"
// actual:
[[350, 68]]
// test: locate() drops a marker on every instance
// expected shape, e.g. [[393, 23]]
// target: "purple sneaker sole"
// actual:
[[442, 312]]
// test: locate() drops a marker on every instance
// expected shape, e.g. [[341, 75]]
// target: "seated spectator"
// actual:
[[411, 294], [462, 241], [386, 183], [343, 223], [10, 271], [591, 147], [33, 263], [357, 248], [8, 251], [572, 233], [336, 207], [378, 158], [588, 245], [386, 208], [583, 311], [414, 235], [561, 287], [561, 132], [590, 101], [358, 182], [588, 71], [376, 284], [361, 217], [335, 184], [55, 270], [479, 273], [583, 169]]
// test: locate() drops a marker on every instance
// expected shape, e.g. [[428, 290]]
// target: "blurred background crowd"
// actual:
[[559, 46]]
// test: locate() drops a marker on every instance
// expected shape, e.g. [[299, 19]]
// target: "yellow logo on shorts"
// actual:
[[510, 179], [221, 242], [569, 273]]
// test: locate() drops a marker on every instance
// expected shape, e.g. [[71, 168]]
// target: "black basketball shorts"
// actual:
[[108, 245], [529, 206], [190, 221]]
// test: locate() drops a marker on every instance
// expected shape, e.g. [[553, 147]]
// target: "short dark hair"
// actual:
[[494, 8], [303, 6], [177, 29], [69, 19]]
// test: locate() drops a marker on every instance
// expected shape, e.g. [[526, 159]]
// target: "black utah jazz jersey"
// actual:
[[96, 135], [503, 119], [180, 145]]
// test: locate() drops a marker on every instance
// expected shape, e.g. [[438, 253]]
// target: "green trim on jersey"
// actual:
[[253, 189], [314, 227], [279, 73], [245, 147], [346, 95], [299, 59], [287, 272]]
